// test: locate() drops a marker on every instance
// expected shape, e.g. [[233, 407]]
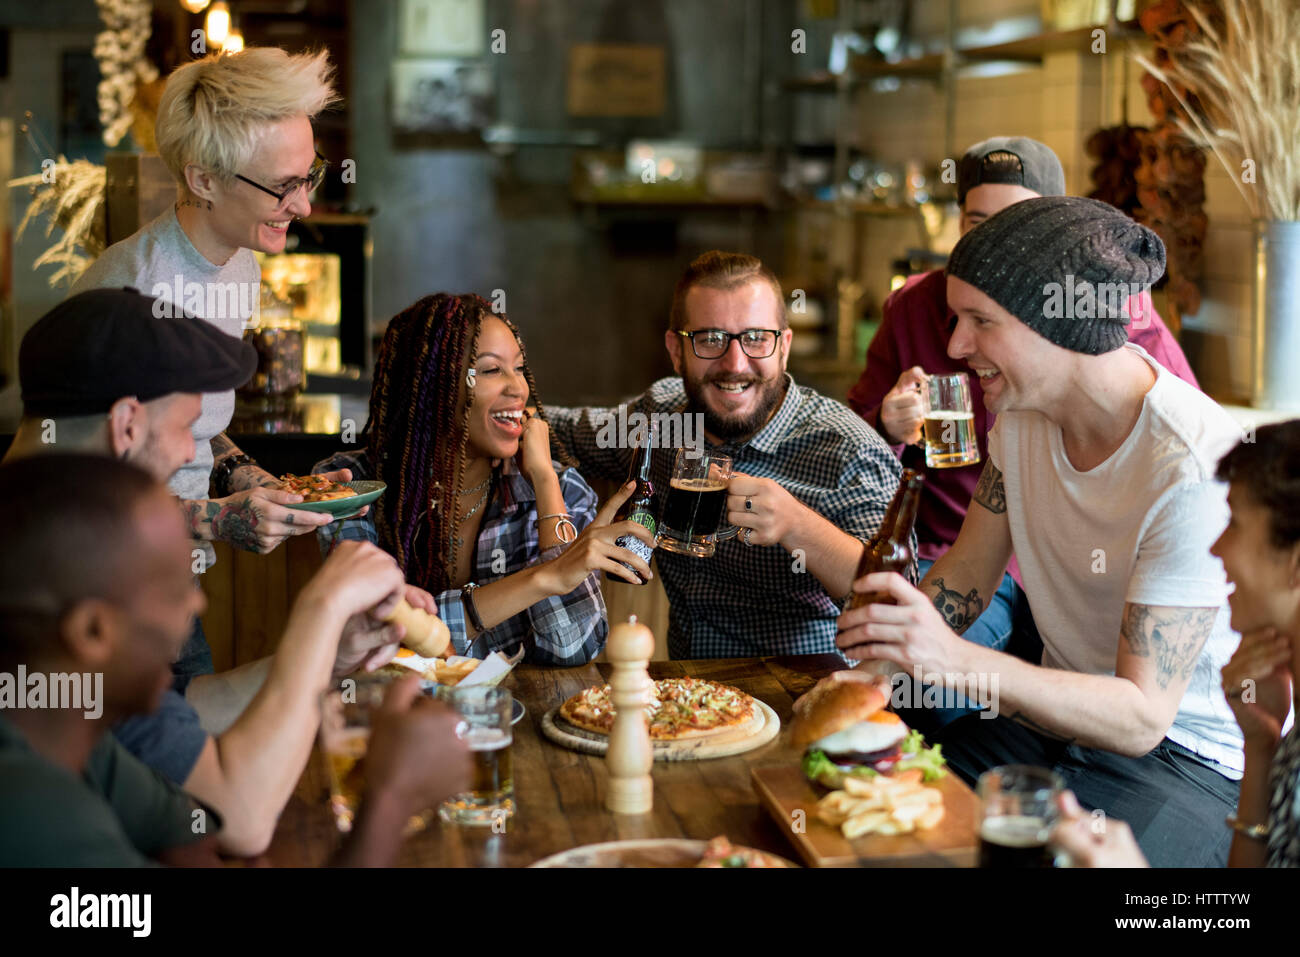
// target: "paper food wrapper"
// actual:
[[490, 671]]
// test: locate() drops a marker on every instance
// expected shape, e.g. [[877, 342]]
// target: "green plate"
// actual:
[[367, 491]]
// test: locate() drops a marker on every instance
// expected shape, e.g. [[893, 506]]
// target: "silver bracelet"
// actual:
[[563, 523]]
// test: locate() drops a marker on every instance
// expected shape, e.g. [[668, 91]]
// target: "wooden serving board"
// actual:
[[763, 728], [953, 842]]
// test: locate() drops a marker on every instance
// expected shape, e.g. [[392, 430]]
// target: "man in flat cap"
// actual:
[[1100, 479], [102, 373], [911, 345]]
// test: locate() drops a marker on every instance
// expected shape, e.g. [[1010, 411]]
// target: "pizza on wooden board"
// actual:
[[678, 708]]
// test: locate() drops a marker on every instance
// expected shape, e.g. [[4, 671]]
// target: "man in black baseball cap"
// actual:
[[101, 373], [1099, 478]]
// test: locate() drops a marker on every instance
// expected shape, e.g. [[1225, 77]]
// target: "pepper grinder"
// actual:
[[630, 757]]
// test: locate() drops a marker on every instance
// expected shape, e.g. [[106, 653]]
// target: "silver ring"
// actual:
[[746, 535], [749, 504]]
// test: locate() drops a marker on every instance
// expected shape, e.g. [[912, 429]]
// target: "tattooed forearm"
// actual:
[[1173, 637], [199, 514], [990, 492], [243, 477], [958, 610], [237, 523]]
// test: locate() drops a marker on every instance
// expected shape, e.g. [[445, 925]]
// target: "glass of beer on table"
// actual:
[[346, 715], [1018, 812], [949, 424], [485, 713], [696, 504]]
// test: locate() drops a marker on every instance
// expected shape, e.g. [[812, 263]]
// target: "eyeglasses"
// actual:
[[315, 176], [714, 343]]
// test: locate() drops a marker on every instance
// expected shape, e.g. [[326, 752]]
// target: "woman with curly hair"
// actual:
[[476, 511]]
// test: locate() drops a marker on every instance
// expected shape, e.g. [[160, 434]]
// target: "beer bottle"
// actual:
[[639, 507], [890, 549]]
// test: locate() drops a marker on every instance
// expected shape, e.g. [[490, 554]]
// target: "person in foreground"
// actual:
[[102, 373], [1260, 550], [1100, 478], [96, 598], [476, 511]]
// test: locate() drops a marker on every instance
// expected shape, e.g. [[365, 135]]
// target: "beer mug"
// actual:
[[485, 726], [347, 711], [696, 504], [1018, 812], [949, 425]]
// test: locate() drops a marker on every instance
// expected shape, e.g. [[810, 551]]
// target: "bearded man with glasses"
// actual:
[[811, 480]]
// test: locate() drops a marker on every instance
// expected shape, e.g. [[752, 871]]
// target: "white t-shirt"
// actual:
[[1136, 528]]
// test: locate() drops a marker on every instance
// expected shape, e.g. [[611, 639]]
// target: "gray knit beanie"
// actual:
[[1065, 266]]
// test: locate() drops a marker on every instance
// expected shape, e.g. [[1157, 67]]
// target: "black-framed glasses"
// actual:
[[714, 343], [315, 176]]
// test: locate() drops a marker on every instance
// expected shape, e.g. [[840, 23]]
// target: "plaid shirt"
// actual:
[[748, 601], [558, 630]]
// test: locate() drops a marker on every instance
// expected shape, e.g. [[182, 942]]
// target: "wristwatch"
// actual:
[[221, 475]]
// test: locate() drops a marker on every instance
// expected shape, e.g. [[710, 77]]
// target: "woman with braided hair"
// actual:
[[476, 511]]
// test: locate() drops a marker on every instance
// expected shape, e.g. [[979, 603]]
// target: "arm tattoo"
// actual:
[[990, 492], [1173, 636], [243, 477], [237, 523], [957, 609]]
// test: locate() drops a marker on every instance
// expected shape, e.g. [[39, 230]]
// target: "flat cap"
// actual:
[[105, 344]]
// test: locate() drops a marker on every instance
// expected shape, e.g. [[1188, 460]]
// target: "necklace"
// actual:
[[477, 488], [459, 539]]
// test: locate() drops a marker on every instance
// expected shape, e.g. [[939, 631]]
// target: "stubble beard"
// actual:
[[733, 428]]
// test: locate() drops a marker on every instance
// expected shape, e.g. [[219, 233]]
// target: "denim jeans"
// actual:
[[1006, 624]]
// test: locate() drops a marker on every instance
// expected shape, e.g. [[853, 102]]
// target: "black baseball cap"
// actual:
[[1015, 160], [104, 344]]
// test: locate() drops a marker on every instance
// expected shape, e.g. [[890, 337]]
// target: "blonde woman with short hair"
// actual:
[[235, 131]]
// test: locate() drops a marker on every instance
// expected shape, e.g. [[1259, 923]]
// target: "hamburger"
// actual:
[[844, 729]]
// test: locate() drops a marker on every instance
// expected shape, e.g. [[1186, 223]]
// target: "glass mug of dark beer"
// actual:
[[1018, 811], [949, 423], [696, 504]]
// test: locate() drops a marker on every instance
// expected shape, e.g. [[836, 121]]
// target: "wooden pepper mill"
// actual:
[[427, 635], [630, 757]]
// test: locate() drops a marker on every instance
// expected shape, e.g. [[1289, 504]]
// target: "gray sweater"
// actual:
[[160, 261]]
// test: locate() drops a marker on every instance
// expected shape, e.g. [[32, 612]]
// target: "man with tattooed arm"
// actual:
[[1100, 480], [101, 373]]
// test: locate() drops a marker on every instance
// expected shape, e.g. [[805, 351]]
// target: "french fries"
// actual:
[[450, 673], [882, 805]]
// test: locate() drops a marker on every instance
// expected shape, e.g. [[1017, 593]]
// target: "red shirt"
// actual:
[[914, 332]]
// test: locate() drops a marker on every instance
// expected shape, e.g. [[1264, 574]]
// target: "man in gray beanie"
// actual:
[[912, 344], [1100, 479]]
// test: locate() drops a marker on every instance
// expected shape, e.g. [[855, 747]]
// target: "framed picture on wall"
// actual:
[[443, 28], [441, 96]]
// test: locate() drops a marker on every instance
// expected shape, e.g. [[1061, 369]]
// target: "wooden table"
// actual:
[[560, 794]]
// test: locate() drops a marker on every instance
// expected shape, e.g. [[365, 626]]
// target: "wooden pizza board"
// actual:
[[953, 842], [764, 726]]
